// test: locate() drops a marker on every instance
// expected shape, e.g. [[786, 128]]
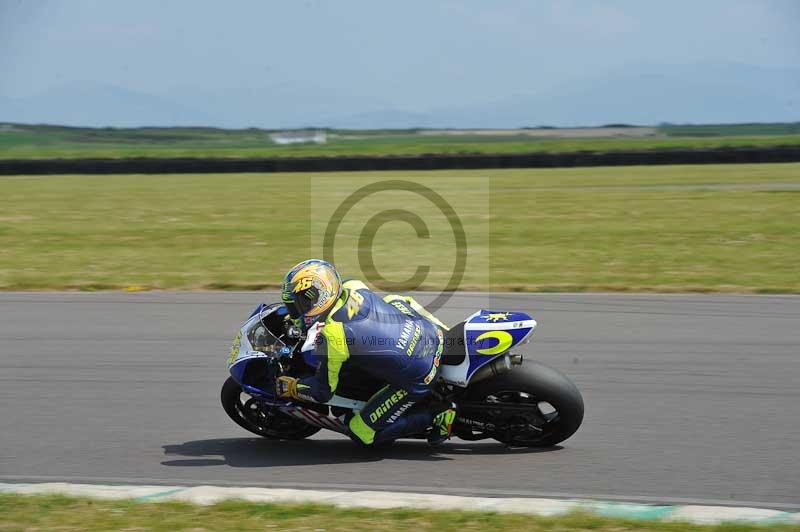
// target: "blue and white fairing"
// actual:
[[254, 341], [487, 335]]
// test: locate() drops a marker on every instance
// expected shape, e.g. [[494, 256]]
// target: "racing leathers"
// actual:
[[393, 339]]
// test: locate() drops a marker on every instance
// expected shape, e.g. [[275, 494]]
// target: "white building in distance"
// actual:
[[299, 137]]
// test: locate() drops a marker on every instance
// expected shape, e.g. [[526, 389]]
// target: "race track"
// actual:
[[688, 398]]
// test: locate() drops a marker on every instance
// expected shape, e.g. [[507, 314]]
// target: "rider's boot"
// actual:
[[442, 427]]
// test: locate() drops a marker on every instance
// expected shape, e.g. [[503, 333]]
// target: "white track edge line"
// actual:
[[699, 514]]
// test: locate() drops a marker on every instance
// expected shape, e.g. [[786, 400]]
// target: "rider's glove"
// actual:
[[286, 387]]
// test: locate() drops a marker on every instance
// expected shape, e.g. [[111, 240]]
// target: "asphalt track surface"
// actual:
[[688, 399]]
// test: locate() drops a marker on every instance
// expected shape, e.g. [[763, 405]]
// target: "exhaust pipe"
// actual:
[[496, 367]]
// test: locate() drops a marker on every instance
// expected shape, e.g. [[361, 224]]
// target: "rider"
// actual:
[[393, 339]]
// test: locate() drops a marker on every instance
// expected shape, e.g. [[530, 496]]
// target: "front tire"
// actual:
[[559, 404], [260, 419]]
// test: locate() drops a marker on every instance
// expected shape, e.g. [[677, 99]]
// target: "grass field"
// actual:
[[726, 228], [23, 513], [723, 130], [28, 142]]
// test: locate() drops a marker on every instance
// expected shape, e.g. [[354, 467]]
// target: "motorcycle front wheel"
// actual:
[[261, 419]]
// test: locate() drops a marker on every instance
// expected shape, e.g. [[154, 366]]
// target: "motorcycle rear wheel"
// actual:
[[259, 419], [558, 411]]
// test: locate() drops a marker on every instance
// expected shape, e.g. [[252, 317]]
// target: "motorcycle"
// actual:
[[499, 395]]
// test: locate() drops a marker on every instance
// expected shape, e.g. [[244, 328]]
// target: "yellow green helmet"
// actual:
[[310, 290]]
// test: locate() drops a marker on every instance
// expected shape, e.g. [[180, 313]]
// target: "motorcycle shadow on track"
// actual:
[[259, 452]]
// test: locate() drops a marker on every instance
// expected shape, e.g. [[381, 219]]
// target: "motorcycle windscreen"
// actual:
[[254, 346]]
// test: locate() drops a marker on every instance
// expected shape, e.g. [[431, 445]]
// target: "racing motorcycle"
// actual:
[[498, 394]]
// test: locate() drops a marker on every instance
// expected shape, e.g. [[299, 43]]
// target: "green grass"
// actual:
[[32, 142], [725, 228], [723, 130], [22, 513]]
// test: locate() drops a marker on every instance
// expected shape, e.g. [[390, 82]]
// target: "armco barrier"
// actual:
[[777, 154]]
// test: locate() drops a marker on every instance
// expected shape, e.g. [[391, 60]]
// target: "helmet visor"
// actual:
[[297, 306]]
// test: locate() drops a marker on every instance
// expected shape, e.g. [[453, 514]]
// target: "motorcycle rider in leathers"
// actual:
[[393, 339]]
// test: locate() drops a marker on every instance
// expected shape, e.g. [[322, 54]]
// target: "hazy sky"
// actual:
[[416, 53]]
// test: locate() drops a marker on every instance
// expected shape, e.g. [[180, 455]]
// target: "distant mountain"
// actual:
[[96, 104], [641, 94], [387, 118], [285, 105], [711, 93]]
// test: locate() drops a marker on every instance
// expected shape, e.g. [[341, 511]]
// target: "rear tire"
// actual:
[[259, 419], [535, 383]]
